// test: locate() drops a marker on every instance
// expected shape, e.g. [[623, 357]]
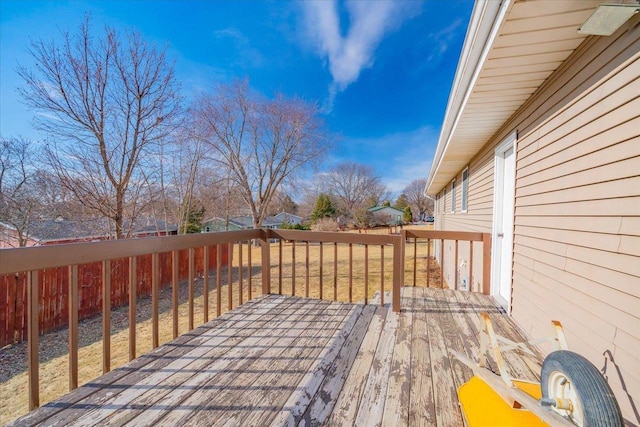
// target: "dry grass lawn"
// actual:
[[54, 370]]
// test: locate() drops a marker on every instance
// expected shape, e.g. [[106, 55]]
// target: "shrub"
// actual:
[[325, 224]]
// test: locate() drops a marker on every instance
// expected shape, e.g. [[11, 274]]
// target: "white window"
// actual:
[[444, 200], [465, 188], [453, 196]]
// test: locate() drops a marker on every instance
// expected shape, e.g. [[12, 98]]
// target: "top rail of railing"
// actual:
[[332, 237], [446, 235], [51, 256]]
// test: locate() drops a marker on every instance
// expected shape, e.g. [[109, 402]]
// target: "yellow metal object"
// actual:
[[482, 406]]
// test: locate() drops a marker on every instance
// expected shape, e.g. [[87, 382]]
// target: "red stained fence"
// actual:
[[54, 290]]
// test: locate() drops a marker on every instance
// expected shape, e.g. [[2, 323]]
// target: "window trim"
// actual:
[[453, 195], [464, 196]]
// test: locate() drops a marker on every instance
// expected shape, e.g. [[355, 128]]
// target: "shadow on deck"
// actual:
[[280, 360]]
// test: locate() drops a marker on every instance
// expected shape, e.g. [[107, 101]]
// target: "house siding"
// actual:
[[576, 255]]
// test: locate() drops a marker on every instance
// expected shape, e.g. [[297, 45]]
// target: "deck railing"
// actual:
[[329, 273], [461, 259]]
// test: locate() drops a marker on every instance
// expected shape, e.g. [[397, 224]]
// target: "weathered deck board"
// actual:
[[348, 401], [322, 404], [396, 410], [371, 407], [422, 410], [151, 390], [154, 360], [295, 361], [446, 403]]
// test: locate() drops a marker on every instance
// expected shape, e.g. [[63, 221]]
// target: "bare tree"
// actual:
[[282, 202], [354, 186], [19, 203], [175, 179], [261, 143], [103, 101], [421, 204]]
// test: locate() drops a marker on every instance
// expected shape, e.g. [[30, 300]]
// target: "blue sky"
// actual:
[[380, 70]]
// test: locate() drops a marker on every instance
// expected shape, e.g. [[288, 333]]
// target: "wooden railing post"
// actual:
[[133, 289], [486, 263], [32, 337], [106, 316], [398, 270], [174, 291], [266, 262], [192, 275], [205, 284], [155, 290], [73, 327]]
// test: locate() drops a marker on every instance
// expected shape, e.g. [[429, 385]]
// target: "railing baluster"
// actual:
[[486, 263], [441, 263], [471, 266], [218, 280], [455, 267], [306, 293], [350, 272], [32, 337], [106, 316], [366, 274], [133, 265], [230, 276], [335, 271], [240, 273], [73, 327], [398, 271], [265, 251], [428, 260], [205, 284], [382, 275], [415, 259], [293, 267], [321, 265], [174, 290], [250, 274], [191, 280], [155, 286], [280, 266]]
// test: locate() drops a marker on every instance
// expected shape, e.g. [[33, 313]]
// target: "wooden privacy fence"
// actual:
[[54, 290]]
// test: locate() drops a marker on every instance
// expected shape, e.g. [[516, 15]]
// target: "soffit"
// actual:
[[534, 38]]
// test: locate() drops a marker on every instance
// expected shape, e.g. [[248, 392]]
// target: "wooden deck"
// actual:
[[280, 360]]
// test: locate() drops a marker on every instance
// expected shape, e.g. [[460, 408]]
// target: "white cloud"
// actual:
[[349, 54], [442, 39]]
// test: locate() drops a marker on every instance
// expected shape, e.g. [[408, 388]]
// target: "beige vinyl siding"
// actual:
[[577, 207], [480, 198], [577, 182]]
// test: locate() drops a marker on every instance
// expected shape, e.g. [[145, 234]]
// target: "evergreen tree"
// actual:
[[402, 202], [194, 220], [408, 216], [323, 209]]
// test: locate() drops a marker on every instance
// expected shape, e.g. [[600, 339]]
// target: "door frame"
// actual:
[[498, 204]]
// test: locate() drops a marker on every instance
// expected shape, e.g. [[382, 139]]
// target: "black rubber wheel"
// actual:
[[567, 375]]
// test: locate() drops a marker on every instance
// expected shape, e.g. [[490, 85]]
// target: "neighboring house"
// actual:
[[540, 146], [236, 223], [61, 230], [286, 218], [387, 215]]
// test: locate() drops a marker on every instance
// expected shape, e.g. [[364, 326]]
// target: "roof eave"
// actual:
[[486, 19]]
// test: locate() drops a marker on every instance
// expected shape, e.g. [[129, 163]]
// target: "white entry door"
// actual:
[[503, 213]]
